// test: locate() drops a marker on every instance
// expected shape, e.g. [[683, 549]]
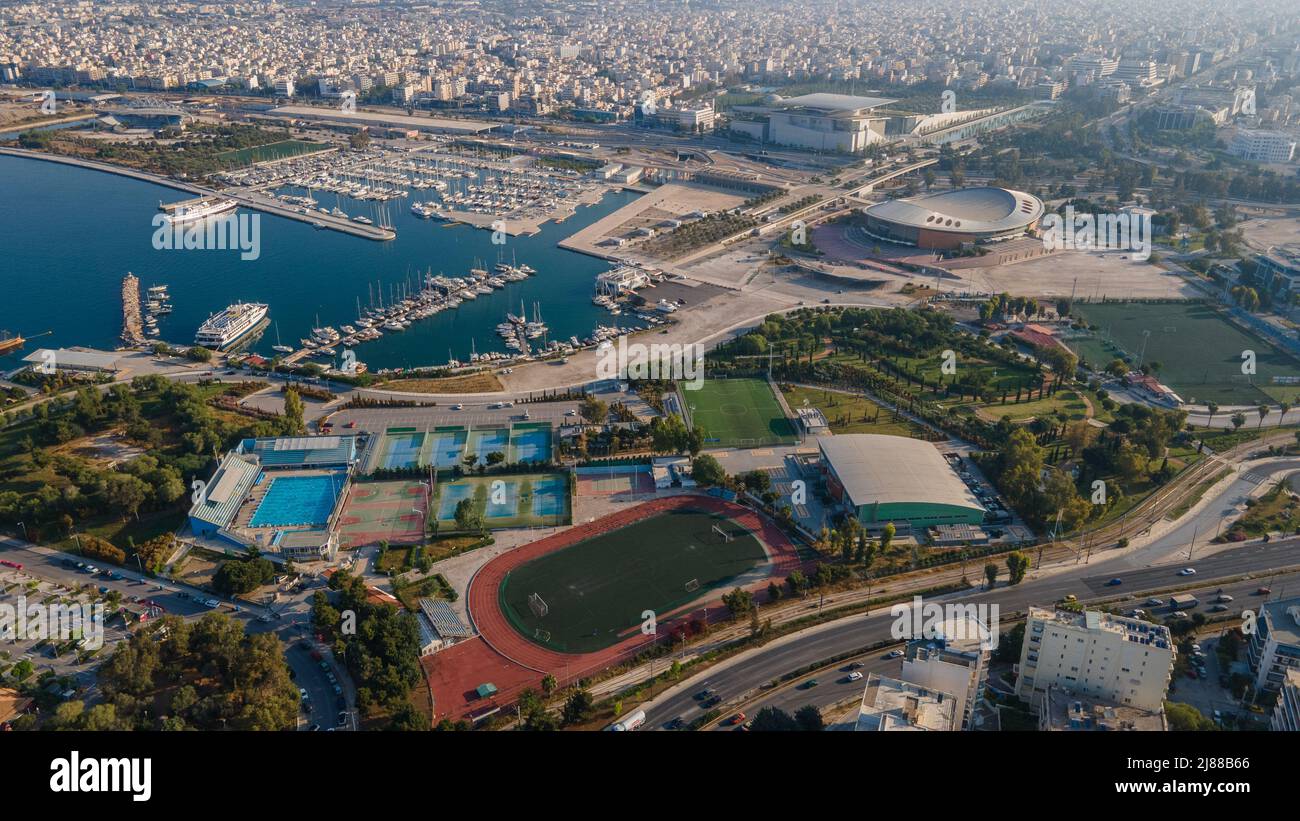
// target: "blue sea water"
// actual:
[[68, 235]]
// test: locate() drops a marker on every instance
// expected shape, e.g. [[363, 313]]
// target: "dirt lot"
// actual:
[[1086, 274], [482, 382]]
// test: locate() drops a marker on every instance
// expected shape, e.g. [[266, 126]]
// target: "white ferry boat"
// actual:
[[192, 210], [221, 330]]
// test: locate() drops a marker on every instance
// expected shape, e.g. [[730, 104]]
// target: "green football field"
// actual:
[[1200, 352], [739, 413], [596, 590]]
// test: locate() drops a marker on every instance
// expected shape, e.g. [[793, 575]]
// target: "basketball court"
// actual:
[[393, 511]]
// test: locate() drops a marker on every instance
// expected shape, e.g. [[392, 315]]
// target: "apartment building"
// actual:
[[1286, 715], [1263, 146], [1274, 648], [1095, 654], [951, 665]]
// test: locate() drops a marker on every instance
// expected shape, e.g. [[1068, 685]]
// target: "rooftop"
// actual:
[[894, 469], [890, 705], [966, 210], [833, 103], [1066, 711], [1283, 619], [1136, 630]]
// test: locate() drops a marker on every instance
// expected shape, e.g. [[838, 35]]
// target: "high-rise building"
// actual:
[[1286, 715], [1274, 647], [1096, 654]]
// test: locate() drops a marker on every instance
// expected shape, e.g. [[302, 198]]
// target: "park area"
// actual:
[[271, 151], [739, 412], [850, 413], [1199, 352], [591, 595]]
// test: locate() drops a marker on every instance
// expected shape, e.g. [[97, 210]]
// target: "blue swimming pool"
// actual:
[[298, 500]]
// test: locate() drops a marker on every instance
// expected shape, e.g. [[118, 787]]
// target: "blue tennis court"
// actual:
[[531, 445], [403, 450], [446, 447], [488, 440], [550, 497], [298, 500]]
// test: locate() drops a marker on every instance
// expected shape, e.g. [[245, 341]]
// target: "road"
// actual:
[[291, 625], [752, 670]]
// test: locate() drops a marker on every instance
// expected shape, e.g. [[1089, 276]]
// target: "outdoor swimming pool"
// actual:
[[298, 500]]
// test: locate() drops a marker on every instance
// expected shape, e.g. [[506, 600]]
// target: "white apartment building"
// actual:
[[284, 86], [1274, 648], [1263, 146], [1123, 660], [955, 666], [1286, 715]]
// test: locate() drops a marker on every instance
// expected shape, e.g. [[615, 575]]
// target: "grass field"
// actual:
[[739, 412], [847, 413], [596, 590], [270, 151], [1069, 401], [1198, 350]]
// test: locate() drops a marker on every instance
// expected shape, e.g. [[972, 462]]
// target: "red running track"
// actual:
[[495, 628]]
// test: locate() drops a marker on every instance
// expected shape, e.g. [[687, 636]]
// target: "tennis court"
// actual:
[[528, 500], [530, 442], [445, 446], [739, 412], [402, 450], [591, 595], [615, 480], [483, 441], [392, 511], [298, 500]]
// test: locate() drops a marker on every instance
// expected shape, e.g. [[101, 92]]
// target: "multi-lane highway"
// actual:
[[748, 673]]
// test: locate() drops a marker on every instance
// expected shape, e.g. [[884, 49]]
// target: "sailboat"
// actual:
[[277, 346]]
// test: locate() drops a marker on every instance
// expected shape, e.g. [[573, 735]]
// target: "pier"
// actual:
[[132, 324]]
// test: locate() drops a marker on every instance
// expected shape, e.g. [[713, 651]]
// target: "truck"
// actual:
[[631, 722], [1184, 601]]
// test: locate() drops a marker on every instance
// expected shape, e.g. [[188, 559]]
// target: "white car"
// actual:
[[855, 676], [1187, 571], [458, 406], [893, 654]]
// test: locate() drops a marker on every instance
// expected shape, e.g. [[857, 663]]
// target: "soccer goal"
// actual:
[[537, 605], [692, 585], [723, 534]]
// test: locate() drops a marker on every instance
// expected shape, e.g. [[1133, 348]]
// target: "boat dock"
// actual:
[[132, 323]]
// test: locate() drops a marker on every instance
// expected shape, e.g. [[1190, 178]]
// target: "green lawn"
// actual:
[[853, 414], [1045, 408], [739, 413], [1200, 352], [596, 590], [271, 151]]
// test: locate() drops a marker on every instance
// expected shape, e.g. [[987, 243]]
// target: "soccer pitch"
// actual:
[[1200, 352], [739, 413], [596, 590]]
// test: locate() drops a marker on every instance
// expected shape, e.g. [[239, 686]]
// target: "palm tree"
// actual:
[[1262, 410], [1284, 407], [1213, 408]]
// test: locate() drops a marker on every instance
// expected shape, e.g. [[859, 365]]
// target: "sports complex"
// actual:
[[573, 603], [278, 494], [739, 412]]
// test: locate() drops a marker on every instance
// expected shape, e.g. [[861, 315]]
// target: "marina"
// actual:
[[302, 273]]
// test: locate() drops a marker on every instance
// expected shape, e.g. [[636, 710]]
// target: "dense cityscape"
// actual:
[[651, 366]]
